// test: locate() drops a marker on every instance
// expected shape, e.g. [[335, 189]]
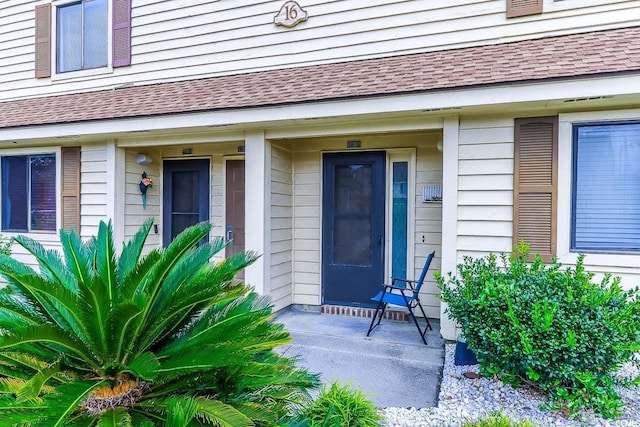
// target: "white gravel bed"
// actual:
[[462, 399]]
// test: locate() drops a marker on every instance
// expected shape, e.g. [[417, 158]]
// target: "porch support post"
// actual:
[[258, 208], [450, 139], [116, 191]]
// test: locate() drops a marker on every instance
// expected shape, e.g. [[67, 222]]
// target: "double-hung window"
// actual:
[[73, 37], [606, 187], [82, 35], [29, 193]]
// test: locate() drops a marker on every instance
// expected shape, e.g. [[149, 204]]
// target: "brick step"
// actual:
[[340, 310]]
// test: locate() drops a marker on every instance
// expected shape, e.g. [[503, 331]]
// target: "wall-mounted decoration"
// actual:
[[145, 183], [290, 15]]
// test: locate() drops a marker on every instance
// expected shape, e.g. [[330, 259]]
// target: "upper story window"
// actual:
[[78, 36], [82, 37], [29, 193], [606, 187]]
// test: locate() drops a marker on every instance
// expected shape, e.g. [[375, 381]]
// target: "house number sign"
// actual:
[[290, 15]]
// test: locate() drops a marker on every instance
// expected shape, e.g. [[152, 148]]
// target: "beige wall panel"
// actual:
[[93, 188], [491, 135], [485, 213], [486, 167], [281, 245], [134, 213], [485, 197], [485, 228], [487, 151], [481, 182]]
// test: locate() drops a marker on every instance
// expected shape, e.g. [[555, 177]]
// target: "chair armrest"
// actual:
[[402, 289], [404, 281]]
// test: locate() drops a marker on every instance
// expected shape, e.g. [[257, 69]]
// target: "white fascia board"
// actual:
[[388, 104]]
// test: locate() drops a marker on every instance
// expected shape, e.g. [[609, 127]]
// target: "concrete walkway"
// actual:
[[393, 366]]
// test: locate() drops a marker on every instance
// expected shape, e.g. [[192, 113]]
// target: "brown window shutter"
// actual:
[[121, 33], [535, 184], [517, 8], [71, 188], [43, 41]]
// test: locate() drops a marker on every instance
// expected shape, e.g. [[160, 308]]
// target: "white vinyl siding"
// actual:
[[134, 213], [93, 188], [182, 40], [281, 259], [428, 224], [485, 186]]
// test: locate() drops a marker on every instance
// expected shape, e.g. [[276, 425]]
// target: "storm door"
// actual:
[[186, 195], [353, 206]]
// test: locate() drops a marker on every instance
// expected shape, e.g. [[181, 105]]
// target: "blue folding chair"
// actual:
[[405, 293]]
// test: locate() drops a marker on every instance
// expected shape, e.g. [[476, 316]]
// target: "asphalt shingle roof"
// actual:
[[569, 56]]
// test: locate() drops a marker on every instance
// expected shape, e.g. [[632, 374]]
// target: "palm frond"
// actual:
[[132, 251], [13, 308], [11, 385], [221, 414], [171, 256], [118, 417], [106, 259], [20, 414], [95, 308], [48, 334], [31, 389], [180, 411], [145, 366], [78, 257], [50, 262], [66, 400], [188, 267], [59, 303], [185, 310]]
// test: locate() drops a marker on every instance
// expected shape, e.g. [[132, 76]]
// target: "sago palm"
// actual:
[[167, 339]]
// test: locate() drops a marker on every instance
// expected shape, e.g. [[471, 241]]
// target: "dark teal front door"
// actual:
[[353, 206], [186, 195]]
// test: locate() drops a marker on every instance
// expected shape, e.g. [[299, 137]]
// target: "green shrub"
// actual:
[[339, 406], [121, 339], [547, 326], [5, 245], [497, 420]]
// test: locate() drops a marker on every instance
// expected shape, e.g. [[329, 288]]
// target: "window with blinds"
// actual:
[[606, 187], [29, 193]]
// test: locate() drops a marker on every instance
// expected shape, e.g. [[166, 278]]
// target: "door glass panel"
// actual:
[[399, 220], [352, 226], [181, 221], [185, 194], [186, 201]]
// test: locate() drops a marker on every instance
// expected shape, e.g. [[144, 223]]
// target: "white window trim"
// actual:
[[56, 151], [565, 174], [55, 76], [401, 155]]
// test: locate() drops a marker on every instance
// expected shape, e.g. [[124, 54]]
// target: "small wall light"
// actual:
[[439, 145], [143, 159]]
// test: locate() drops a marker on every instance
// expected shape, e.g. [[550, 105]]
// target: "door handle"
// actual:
[[229, 232]]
